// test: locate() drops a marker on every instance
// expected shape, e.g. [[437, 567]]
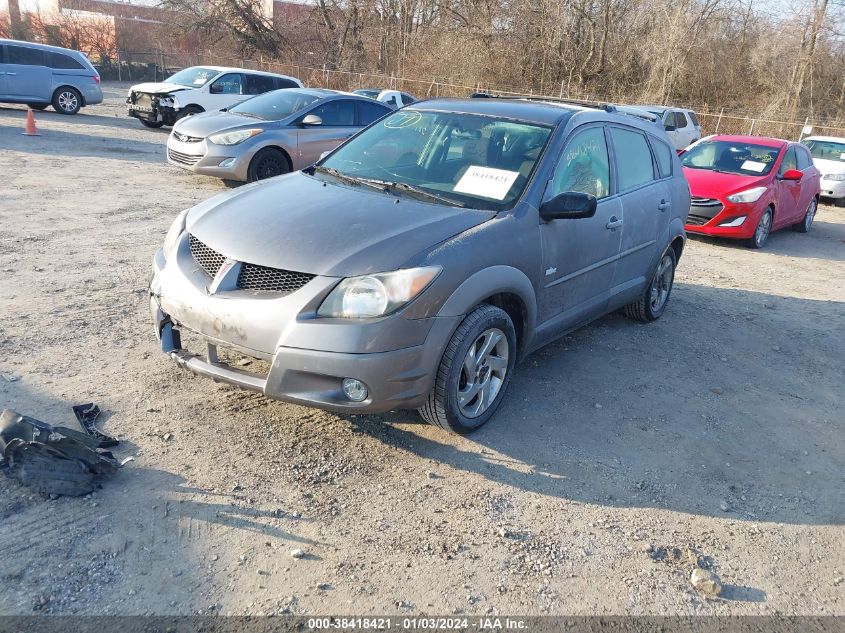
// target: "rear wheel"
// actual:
[[761, 233], [839, 202], [267, 163], [804, 225], [474, 372], [67, 100], [652, 303], [152, 124], [38, 106]]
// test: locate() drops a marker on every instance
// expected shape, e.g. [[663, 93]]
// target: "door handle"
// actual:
[[614, 223], [10, 73], [663, 205]]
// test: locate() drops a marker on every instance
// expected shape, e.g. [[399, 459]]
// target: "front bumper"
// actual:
[[832, 188], [205, 158], [708, 217], [398, 374]]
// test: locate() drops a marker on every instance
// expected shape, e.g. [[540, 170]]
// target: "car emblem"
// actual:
[[222, 272], [180, 137]]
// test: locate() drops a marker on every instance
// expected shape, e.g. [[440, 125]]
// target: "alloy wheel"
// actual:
[[483, 372], [810, 215], [761, 234], [661, 284], [68, 101]]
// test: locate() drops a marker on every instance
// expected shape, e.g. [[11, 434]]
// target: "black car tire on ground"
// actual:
[[67, 100], [652, 303], [38, 106], [152, 124], [442, 409], [267, 163]]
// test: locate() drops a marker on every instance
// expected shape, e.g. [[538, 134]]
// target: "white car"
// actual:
[[829, 157], [393, 98], [681, 125], [200, 89]]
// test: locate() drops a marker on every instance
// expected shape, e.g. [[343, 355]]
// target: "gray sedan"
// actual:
[[269, 135]]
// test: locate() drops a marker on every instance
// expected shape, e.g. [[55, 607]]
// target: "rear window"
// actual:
[[59, 60], [281, 82], [259, 84], [24, 55]]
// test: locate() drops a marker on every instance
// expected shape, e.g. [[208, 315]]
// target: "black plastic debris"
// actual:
[[52, 459], [87, 414]]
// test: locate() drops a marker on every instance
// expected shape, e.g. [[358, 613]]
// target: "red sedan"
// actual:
[[745, 187]]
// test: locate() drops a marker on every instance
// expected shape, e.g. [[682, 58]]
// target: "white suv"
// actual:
[[829, 156], [682, 126], [199, 89]]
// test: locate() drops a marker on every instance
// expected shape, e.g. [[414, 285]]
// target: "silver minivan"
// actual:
[[40, 75]]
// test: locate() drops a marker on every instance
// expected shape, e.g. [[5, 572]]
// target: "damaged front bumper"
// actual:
[[154, 108], [397, 378]]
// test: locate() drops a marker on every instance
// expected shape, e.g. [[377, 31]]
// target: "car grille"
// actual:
[[184, 138], [183, 159], [702, 210], [251, 276]]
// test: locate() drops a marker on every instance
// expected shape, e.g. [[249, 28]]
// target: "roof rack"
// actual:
[[607, 107]]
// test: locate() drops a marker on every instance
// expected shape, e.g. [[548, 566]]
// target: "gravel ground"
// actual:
[[624, 456]]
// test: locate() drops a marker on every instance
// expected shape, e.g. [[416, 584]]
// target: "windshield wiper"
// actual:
[[352, 180], [422, 193]]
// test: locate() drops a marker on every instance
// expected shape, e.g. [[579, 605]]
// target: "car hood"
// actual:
[[155, 88], [704, 183], [205, 123], [829, 166], [297, 222]]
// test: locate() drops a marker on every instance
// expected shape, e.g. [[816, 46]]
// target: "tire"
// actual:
[[67, 100], [267, 163], [151, 124], [839, 202], [486, 326], [38, 106], [763, 230], [190, 110], [807, 221], [652, 303]]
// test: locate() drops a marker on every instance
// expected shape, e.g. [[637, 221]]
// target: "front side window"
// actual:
[[633, 158], [804, 158], [195, 77], [274, 106], [338, 113], [731, 157], [24, 55], [231, 84], [789, 162], [470, 160], [584, 166]]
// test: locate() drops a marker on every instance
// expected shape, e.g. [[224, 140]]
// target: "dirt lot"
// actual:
[[622, 453]]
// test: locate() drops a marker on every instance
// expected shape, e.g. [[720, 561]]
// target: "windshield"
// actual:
[[193, 77], [462, 159], [827, 150], [731, 157], [276, 105]]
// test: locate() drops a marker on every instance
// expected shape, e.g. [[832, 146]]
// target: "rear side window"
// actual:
[[369, 112], [694, 118], [59, 60], [259, 84], [24, 55], [337, 113], [285, 83], [633, 158], [584, 166], [664, 157]]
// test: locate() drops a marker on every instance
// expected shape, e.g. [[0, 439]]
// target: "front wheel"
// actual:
[[474, 372], [761, 233], [267, 163], [807, 221], [67, 100], [152, 124], [652, 303], [38, 106]]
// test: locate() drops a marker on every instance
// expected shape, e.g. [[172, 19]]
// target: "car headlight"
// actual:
[[376, 295], [233, 138], [749, 195], [173, 233], [837, 177]]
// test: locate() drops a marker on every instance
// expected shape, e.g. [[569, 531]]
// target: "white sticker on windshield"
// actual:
[[842, 156], [753, 165], [486, 182]]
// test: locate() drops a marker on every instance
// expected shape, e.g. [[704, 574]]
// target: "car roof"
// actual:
[[753, 140], [833, 139], [543, 112], [232, 69], [661, 108], [43, 46]]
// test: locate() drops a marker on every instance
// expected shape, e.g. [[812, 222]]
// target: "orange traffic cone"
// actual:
[[30, 130]]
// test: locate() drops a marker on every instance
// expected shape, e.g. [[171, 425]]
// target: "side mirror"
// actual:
[[569, 205], [792, 174], [216, 89], [311, 119]]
